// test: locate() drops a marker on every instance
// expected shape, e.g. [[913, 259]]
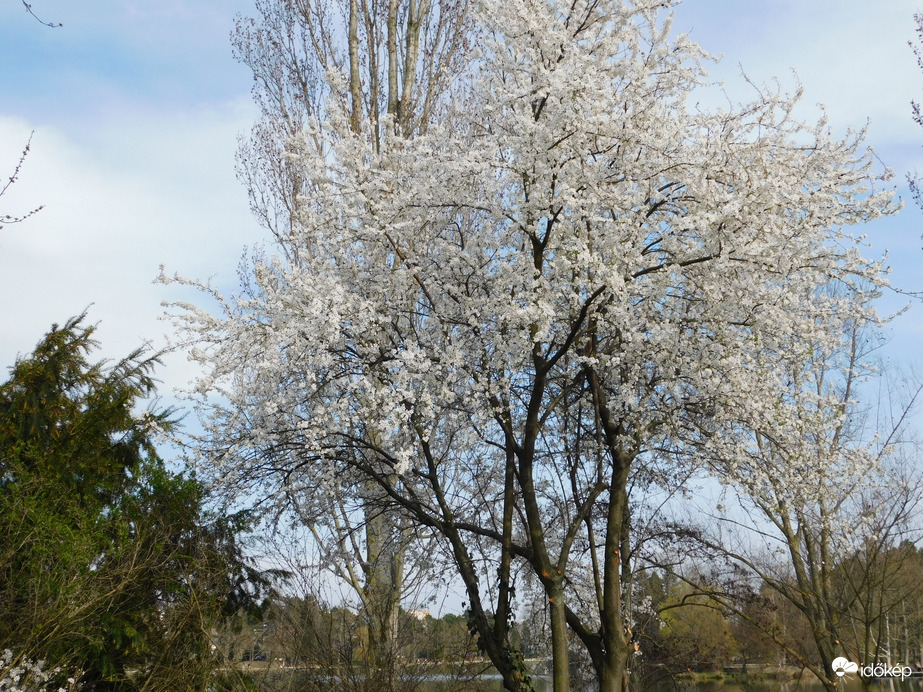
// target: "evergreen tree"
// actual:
[[109, 562]]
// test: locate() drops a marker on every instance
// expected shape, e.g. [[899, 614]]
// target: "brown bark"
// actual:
[[355, 83]]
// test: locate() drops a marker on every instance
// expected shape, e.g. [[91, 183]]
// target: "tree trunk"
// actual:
[[560, 658], [613, 677], [614, 674], [384, 577], [355, 85]]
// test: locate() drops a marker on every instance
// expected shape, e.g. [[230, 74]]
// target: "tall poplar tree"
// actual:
[[389, 65]]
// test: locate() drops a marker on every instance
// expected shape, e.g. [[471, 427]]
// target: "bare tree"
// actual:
[[394, 75], [820, 514]]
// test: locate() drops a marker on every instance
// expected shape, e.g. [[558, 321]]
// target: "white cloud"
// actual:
[[159, 189]]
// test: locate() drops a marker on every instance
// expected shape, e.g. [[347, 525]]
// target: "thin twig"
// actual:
[[50, 25], [7, 218]]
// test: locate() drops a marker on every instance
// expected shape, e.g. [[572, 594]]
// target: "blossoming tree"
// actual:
[[571, 278]]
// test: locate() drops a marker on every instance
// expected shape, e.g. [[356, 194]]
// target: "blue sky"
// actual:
[[136, 105], [135, 108]]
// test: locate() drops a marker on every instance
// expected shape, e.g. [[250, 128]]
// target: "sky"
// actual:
[[134, 109]]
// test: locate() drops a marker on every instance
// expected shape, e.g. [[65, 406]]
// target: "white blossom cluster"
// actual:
[[25, 675]]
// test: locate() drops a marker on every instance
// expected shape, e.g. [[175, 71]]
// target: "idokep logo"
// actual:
[[841, 666]]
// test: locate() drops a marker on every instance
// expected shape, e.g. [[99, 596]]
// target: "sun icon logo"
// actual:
[[841, 666]]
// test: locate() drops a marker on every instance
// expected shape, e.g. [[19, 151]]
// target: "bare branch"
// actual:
[[9, 218]]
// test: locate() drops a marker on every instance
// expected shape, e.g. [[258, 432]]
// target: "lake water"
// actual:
[[854, 685], [806, 685], [278, 681]]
